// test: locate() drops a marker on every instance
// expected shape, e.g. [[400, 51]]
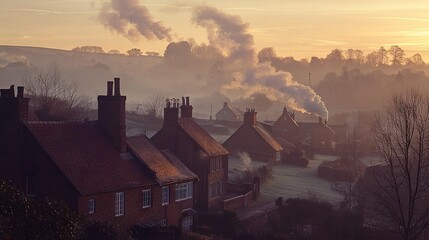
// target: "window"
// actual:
[[165, 195], [184, 191], [187, 222], [215, 189], [278, 156], [30, 186], [215, 164], [147, 198], [163, 223], [91, 206], [119, 204]]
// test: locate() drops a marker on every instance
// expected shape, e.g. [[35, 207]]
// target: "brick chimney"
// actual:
[[13, 109], [320, 120], [186, 108], [225, 104], [250, 117], [171, 113], [111, 115]]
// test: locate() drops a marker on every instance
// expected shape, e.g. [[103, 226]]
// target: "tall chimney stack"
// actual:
[[109, 88], [111, 115], [250, 117], [186, 110], [171, 113], [117, 87], [12, 109]]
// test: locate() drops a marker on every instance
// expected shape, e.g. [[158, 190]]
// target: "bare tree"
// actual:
[[399, 189], [154, 105], [266, 54], [397, 55], [52, 97]]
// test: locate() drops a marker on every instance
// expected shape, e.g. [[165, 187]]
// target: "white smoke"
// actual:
[[231, 36], [132, 20], [245, 159]]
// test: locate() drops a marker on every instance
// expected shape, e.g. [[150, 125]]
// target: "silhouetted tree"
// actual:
[[383, 57], [52, 97], [397, 55], [178, 53], [152, 54], [154, 105], [335, 57], [114, 52], [134, 52], [399, 190], [266, 55], [89, 49]]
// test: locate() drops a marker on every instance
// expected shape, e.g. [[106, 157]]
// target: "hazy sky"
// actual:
[[299, 28]]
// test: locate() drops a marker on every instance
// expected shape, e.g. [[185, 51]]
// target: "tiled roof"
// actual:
[[165, 170], [234, 111], [311, 126], [267, 137], [83, 154], [285, 120], [202, 138], [179, 164]]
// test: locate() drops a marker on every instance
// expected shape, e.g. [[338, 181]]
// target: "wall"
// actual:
[[134, 212]]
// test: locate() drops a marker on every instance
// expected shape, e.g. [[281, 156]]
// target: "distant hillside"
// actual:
[[142, 76]]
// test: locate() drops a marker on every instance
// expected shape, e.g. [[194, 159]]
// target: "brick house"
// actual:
[[93, 167], [228, 113], [202, 154], [252, 138]]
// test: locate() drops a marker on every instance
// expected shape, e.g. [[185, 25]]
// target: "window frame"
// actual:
[[165, 195], [91, 206], [119, 204], [186, 187], [147, 198]]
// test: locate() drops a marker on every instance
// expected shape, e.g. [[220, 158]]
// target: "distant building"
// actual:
[[198, 151], [93, 167], [253, 139], [228, 113]]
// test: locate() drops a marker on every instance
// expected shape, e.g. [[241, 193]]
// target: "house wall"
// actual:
[[226, 115], [247, 140], [50, 182], [134, 213]]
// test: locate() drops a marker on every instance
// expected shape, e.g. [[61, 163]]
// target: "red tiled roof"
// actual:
[[267, 137], [87, 159], [165, 170], [202, 138]]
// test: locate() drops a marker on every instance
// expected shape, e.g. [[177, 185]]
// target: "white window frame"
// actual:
[[184, 191], [278, 156], [91, 206], [215, 189], [147, 198], [119, 204], [165, 195]]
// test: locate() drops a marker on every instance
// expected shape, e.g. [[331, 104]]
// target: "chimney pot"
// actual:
[[117, 87], [20, 92], [109, 88], [187, 101]]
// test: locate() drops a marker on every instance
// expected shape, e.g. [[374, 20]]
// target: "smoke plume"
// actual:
[[132, 20], [231, 36]]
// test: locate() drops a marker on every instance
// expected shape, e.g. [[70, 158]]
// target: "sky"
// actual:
[[293, 28]]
